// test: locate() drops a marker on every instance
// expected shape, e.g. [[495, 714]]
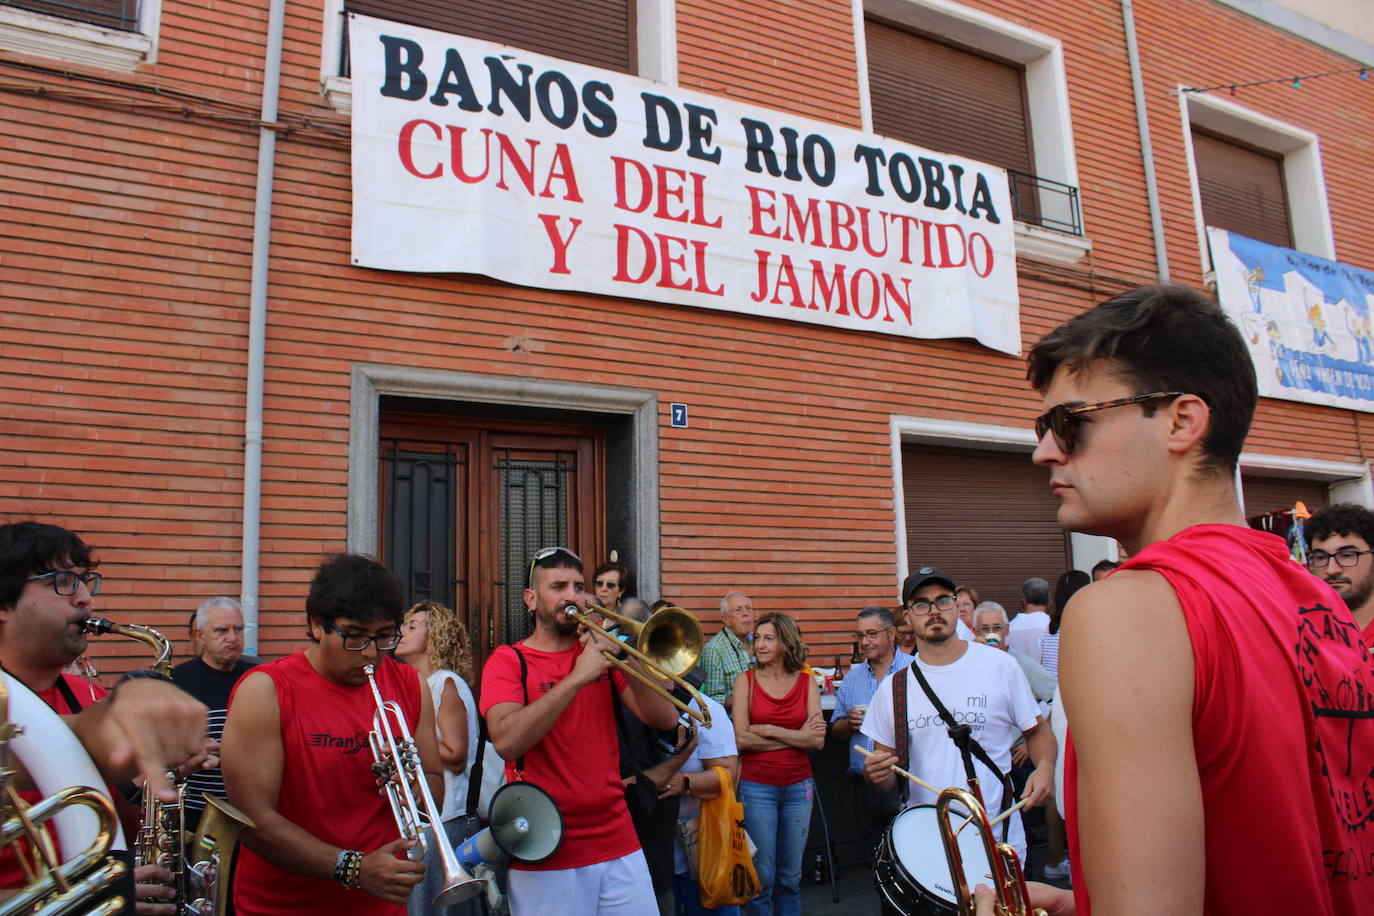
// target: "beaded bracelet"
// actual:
[[348, 866]]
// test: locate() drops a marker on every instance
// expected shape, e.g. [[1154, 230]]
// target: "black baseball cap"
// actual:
[[922, 576]]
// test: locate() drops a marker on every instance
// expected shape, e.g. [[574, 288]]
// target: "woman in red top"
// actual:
[[777, 710]]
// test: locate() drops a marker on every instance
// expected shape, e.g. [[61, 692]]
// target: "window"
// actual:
[[1255, 176], [630, 36], [111, 14], [957, 80], [107, 34]]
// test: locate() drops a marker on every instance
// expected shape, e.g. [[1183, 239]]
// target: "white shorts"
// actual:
[[620, 887]]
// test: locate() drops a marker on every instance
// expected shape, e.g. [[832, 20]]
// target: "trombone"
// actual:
[[671, 641], [1009, 883]]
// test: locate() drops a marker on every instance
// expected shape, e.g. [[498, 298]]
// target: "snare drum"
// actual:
[[912, 872]]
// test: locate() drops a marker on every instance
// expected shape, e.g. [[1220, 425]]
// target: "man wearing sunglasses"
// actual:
[[297, 760], [548, 701], [48, 585], [1220, 703], [981, 687], [1339, 539]]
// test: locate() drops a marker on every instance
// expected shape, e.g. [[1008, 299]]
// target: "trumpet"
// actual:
[[396, 760], [671, 641], [1009, 882]]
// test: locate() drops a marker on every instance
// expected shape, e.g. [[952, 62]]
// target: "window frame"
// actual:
[[1047, 97], [75, 42], [655, 46], [1309, 213]]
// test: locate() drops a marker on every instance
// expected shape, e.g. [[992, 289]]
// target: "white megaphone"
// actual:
[[525, 826]]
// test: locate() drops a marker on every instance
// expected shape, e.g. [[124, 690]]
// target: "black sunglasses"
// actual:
[[1064, 421]]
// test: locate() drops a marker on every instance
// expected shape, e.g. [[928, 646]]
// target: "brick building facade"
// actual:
[[451, 423]]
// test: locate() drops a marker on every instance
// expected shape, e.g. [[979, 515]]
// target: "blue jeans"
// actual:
[[777, 818], [687, 900]]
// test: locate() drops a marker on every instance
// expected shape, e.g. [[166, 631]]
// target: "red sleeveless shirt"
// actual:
[[327, 786], [1283, 728], [784, 766]]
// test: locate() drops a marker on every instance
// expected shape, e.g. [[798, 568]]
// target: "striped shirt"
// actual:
[[212, 687]]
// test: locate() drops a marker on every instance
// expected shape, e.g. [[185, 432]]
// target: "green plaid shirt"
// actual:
[[721, 661]]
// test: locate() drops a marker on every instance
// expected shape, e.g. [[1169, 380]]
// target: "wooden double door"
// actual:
[[466, 502]]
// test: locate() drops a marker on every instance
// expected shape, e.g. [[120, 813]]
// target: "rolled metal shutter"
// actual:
[[946, 98], [1242, 189], [985, 517], [599, 33]]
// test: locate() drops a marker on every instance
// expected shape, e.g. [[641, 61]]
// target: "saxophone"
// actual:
[[200, 877]]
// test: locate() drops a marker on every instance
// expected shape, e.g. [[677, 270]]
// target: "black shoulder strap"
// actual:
[[68, 694], [475, 774], [962, 736], [899, 720], [525, 688]]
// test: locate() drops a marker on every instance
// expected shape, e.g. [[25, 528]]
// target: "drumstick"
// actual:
[[1007, 813], [900, 772]]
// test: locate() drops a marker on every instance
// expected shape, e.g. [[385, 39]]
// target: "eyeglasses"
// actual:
[[544, 554], [991, 628], [929, 606], [357, 642], [1317, 559], [861, 635], [607, 583], [64, 581], [1064, 421]]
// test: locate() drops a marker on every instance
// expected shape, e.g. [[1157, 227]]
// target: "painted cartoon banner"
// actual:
[[1306, 319], [477, 157]]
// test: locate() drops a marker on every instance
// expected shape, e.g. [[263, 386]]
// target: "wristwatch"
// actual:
[[686, 784]]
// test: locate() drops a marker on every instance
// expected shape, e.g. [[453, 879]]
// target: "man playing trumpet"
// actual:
[[296, 756], [548, 702]]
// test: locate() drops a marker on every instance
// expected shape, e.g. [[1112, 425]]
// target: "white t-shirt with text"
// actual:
[[984, 688]]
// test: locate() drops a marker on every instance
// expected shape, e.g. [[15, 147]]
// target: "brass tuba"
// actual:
[[74, 803]]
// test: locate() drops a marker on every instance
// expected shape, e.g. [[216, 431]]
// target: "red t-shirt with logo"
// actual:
[[1283, 728], [577, 762], [327, 786], [86, 692]]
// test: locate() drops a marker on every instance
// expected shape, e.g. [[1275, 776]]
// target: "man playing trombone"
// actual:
[[548, 706], [296, 757]]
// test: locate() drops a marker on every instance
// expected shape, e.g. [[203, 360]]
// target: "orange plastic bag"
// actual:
[[724, 863]]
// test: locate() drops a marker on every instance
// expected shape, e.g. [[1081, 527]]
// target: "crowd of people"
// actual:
[[1195, 723]]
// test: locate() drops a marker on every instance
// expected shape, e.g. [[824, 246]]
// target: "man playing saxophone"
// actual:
[[48, 585], [296, 757]]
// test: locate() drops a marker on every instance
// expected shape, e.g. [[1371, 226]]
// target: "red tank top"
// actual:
[[327, 786], [1283, 728], [784, 766]]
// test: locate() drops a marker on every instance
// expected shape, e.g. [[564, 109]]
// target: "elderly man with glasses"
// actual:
[[297, 761], [1339, 539], [981, 687], [876, 634]]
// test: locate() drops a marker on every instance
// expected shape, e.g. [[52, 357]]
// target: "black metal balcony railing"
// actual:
[[108, 14], [1045, 203]]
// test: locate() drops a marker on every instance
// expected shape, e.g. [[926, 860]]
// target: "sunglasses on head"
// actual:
[[1063, 421], [544, 554]]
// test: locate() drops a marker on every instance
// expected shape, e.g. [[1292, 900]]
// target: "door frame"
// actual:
[[370, 383]]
